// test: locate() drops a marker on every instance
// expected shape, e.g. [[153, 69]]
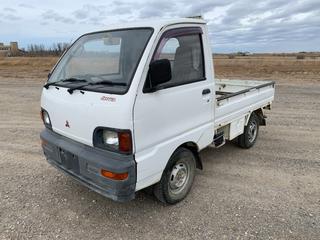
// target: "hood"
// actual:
[[77, 115]]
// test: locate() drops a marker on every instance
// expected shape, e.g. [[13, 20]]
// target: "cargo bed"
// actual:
[[238, 98]]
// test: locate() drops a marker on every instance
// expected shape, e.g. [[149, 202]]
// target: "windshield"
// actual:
[[110, 56]]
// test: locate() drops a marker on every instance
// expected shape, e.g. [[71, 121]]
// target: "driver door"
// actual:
[[182, 105]]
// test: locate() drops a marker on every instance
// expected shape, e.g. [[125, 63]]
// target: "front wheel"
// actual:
[[177, 178], [250, 133]]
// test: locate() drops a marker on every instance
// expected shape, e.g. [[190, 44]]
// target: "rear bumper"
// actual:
[[84, 163]]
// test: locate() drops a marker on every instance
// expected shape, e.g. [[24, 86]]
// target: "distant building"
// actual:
[[9, 50]]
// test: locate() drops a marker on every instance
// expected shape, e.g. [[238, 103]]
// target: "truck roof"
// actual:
[[155, 23]]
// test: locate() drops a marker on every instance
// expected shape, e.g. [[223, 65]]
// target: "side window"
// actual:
[[186, 57], [169, 50]]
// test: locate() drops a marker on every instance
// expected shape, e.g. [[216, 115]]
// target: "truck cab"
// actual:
[[130, 107]]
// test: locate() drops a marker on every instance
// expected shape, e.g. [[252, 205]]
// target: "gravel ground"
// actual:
[[271, 191]]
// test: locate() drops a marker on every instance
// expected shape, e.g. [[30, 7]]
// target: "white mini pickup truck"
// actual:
[[130, 107]]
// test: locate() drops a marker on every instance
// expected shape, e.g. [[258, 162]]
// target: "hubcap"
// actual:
[[252, 133], [178, 177]]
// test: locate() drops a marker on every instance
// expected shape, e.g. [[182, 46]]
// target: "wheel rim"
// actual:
[[179, 176], [252, 132]]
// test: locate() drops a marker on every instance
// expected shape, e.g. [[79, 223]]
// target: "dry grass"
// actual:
[[280, 68], [26, 67], [28, 61]]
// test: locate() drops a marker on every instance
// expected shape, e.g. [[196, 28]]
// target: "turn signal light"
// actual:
[[45, 118], [114, 176], [125, 143], [43, 142]]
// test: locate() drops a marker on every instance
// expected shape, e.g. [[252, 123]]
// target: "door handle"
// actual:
[[206, 91]]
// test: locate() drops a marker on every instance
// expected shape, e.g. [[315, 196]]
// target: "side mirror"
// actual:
[[159, 72], [49, 75]]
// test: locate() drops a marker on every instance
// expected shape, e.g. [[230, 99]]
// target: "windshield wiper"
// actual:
[[103, 82], [47, 85], [107, 82]]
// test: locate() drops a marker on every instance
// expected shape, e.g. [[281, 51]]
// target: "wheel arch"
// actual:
[[261, 117], [193, 147]]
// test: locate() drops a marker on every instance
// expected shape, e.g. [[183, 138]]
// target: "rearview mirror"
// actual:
[[159, 72], [110, 40]]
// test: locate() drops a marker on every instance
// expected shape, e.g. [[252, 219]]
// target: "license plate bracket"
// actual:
[[69, 160]]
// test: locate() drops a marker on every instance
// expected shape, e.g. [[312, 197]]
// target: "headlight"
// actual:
[[110, 138], [45, 118], [113, 139]]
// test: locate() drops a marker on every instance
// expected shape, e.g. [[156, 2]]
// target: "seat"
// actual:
[[183, 68]]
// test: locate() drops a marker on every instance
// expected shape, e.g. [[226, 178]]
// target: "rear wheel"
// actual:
[[177, 178], [250, 133]]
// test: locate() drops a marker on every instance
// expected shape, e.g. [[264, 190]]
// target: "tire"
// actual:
[[177, 178], [250, 133]]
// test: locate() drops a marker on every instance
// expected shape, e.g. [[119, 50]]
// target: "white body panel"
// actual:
[[242, 104], [236, 127], [163, 120]]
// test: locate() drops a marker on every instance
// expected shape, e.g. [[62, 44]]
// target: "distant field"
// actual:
[[280, 68], [26, 67]]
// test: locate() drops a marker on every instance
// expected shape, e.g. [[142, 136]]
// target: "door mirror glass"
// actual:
[[159, 72]]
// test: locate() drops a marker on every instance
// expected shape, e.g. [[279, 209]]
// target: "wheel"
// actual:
[[250, 133], [177, 178]]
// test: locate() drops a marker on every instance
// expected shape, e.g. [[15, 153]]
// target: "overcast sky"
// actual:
[[234, 25]]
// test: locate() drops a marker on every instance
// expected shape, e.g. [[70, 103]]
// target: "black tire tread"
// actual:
[[242, 140], [159, 188]]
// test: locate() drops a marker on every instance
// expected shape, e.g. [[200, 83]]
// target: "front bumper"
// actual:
[[84, 163]]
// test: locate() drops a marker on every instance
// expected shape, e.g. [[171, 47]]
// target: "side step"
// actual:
[[218, 140]]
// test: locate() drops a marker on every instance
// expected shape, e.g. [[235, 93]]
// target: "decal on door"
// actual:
[[108, 99]]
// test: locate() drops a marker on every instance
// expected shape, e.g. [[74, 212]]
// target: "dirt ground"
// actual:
[[271, 191]]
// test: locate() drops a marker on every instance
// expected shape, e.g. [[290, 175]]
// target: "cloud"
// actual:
[[50, 14], [150, 12], [25, 5], [11, 17], [204, 7], [158, 9], [233, 24], [7, 9], [121, 10], [273, 22], [88, 10]]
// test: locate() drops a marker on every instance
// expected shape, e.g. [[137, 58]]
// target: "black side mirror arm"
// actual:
[[150, 90]]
